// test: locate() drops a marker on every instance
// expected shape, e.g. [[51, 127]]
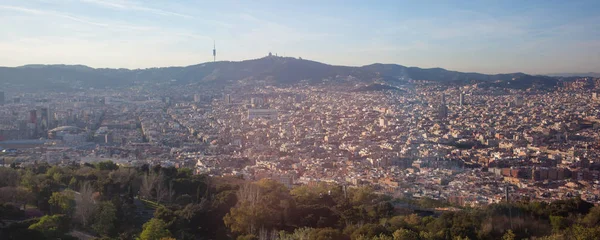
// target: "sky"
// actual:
[[501, 36]]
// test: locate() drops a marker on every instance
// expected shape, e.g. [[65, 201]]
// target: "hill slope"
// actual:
[[277, 70]]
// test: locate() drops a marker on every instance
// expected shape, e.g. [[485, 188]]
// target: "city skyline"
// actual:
[[491, 37]]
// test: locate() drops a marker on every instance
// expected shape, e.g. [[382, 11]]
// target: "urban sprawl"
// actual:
[[467, 145]]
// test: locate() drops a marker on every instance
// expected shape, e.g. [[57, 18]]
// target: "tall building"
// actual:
[[33, 116], [461, 99], [443, 109], [45, 119], [519, 101], [1, 98], [228, 99], [196, 97]]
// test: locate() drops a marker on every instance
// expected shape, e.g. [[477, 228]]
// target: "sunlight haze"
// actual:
[[489, 36]]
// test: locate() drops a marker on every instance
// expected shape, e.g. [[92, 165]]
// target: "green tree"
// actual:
[[247, 237], [62, 202], [558, 223], [155, 229], [326, 234], [405, 234], [105, 219], [593, 217], [73, 183], [107, 165], [52, 226], [584, 233], [383, 237]]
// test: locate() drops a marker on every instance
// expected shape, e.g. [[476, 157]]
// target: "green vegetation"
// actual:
[[112, 202]]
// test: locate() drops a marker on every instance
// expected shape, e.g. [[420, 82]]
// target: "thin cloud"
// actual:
[[73, 18], [124, 5]]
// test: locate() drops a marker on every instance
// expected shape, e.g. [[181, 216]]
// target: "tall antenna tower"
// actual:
[[214, 51]]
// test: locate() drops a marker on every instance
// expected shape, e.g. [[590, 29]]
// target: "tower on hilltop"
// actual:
[[214, 51]]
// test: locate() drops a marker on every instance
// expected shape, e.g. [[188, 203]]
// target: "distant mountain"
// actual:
[[589, 74], [436, 74], [525, 82], [275, 70]]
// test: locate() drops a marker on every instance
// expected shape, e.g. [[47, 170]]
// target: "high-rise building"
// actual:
[[443, 112], [461, 99], [196, 97], [45, 119], [33, 116], [519, 101], [1, 98], [443, 109], [228, 99]]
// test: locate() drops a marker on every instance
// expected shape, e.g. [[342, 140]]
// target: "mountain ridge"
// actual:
[[277, 70]]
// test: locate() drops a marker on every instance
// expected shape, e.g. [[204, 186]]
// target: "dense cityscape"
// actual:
[[462, 144], [114, 161]]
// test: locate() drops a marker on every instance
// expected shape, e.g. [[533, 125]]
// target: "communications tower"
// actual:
[[214, 51]]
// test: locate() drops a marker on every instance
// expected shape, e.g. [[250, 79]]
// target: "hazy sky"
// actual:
[[484, 36]]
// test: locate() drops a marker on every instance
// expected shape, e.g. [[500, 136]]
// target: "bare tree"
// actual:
[[8, 177], [250, 193], [16, 195], [148, 183], [161, 189], [154, 186], [122, 175], [171, 192], [274, 234], [85, 204], [263, 234]]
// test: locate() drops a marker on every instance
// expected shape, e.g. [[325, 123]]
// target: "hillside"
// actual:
[[276, 70]]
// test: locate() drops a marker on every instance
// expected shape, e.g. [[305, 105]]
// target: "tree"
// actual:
[[8, 177], [558, 223], [52, 226], [326, 234], [62, 202], [155, 229], [104, 219], [107, 165], [509, 235], [368, 230], [405, 234], [593, 217], [73, 183], [85, 204], [382, 237], [245, 218], [153, 186], [16, 195]]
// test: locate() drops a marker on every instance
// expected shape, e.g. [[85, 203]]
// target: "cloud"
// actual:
[[75, 18], [126, 5]]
